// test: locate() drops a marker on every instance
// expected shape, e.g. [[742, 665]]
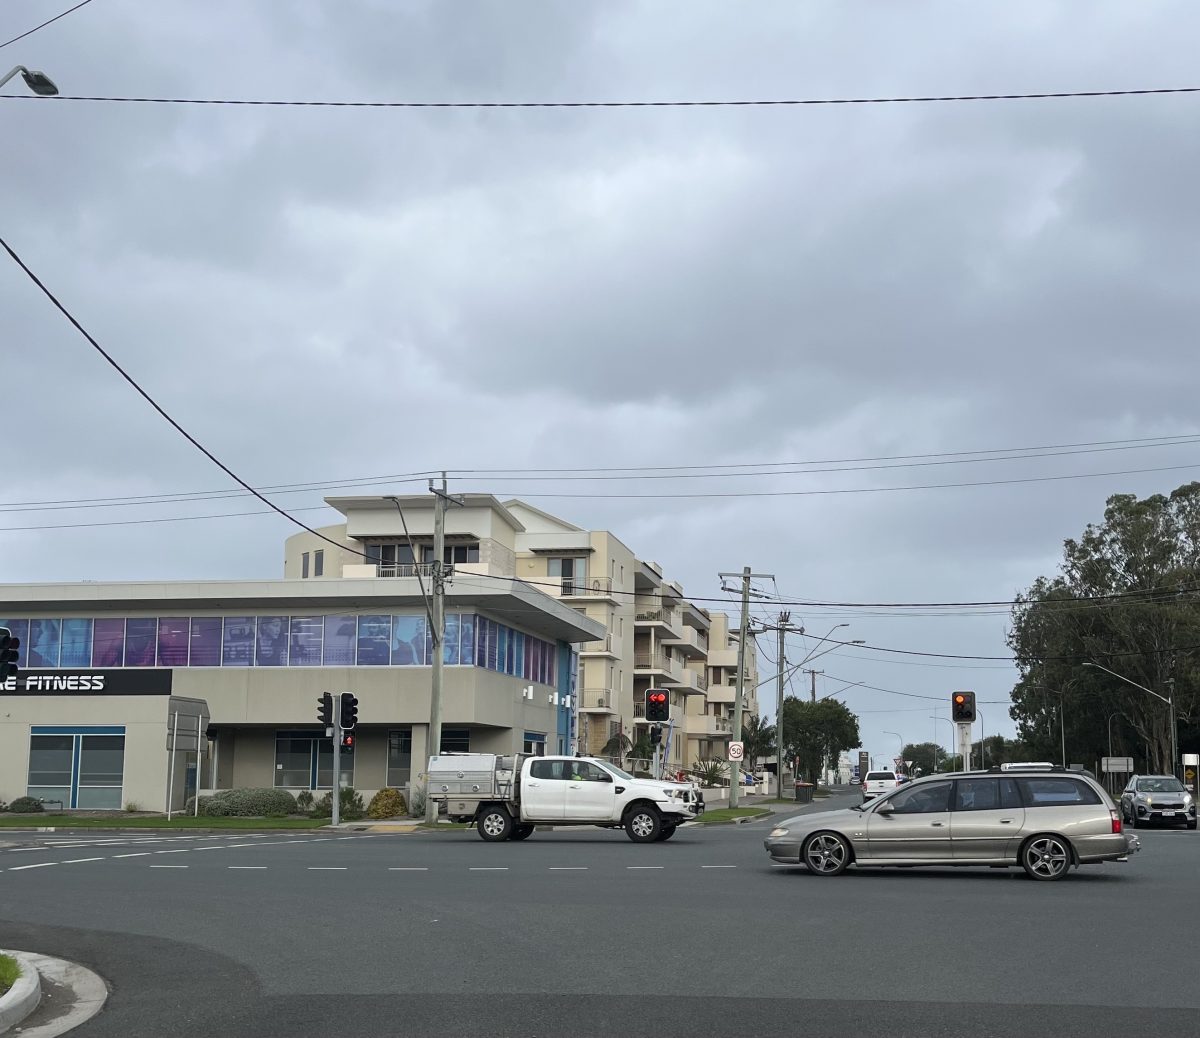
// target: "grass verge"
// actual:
[[9, 972], [728, 814], [42, 821]]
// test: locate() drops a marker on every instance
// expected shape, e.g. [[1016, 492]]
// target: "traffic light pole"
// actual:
[[336, 795], [964, 745]]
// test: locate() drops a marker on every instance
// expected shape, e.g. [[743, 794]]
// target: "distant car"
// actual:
[[1157, 798], [1043, 822], [877, 783]]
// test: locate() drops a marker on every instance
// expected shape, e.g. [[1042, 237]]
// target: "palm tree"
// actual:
[[758, 739], [618, 746]]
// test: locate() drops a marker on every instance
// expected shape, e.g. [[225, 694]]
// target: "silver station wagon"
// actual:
[[1043, 820]]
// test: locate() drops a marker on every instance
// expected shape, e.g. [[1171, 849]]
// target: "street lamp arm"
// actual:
[[1128, 681]]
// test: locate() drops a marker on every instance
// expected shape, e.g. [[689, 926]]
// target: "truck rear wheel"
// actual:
[[495, 824], [522, 832], [643, 824]]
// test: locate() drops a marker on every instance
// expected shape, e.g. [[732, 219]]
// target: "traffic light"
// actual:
[[658, 706], [962, 707], [349, 716], [655, 735], [325, 709], [347, 741], [8, 654]]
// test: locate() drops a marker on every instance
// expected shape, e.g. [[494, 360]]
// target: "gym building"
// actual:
[[135, 693]]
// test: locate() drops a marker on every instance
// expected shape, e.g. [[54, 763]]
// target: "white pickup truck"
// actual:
[[505, 797]]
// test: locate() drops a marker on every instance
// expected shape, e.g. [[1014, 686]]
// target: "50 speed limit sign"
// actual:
[[737, 751]]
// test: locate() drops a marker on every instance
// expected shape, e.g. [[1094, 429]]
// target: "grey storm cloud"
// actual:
[[322, 294]]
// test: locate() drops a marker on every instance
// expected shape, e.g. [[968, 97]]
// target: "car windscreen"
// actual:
[[1160, 785], [615, 770]]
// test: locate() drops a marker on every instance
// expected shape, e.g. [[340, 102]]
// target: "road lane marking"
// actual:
[[218, 847], [170, 866], [39, 865], [327, 868], [178, 850], [568, 868], [645, 866], [718, 866], [135, 854], [80, 861], [407, 868], [489, 868], [246, 868]]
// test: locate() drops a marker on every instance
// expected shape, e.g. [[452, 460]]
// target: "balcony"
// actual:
[[597, 701], [601, 647], [368, 570], [691, 643], [690, 682], [656, 662], [595, 587], [655, 614], [710, 727]]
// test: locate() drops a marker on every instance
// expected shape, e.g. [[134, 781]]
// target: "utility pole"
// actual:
[[439, 571], [813, 674], [735, 767], [783, 627]]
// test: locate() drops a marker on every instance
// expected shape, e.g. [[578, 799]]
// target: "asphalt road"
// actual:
[[584, 933]]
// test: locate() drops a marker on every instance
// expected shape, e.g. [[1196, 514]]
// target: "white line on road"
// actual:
[[327, 868], [135, 854], [407, 868], [170, 866], [178, 850], [489, 868], [39, 865], [218, 847], [246, 868], [568, 868], [645, 866], [718, 866], [79, 861]]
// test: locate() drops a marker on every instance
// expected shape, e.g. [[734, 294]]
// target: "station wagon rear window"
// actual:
[[1053, 792]]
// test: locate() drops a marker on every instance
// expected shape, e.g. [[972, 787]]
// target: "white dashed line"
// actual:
[[327, 868], [47, 848], [568, 868], [170, 866], [219, 847], [245, 868], [178, 850], [718, 866], [39, 865], [135, 854], [645, 866], [80, 861], [488, 868], [407, 868]]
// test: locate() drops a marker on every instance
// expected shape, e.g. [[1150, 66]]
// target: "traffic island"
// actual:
[[20, 989], [50, 996], [731, 815]]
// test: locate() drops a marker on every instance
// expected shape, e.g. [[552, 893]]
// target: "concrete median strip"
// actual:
[[51, 997]]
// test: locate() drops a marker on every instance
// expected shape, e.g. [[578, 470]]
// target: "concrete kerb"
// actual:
[[23, 997]]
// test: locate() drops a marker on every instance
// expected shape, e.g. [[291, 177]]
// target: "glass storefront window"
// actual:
[[205, 650], [173, 641], [50, 758], [408, 641], [374, 640], [399, 759], [101, 772], [450, 642], [76, 648], [42, 649], [272, 641], [307, 633], [141, 638], [293, 762], [341, 634], [108, 643], [237, 642]]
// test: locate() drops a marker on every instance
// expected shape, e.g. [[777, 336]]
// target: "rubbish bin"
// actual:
[[804, 792]]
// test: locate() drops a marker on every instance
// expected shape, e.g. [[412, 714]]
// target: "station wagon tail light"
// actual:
[[1116, 821]]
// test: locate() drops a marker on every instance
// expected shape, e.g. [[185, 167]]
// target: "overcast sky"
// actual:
[[324, 294]]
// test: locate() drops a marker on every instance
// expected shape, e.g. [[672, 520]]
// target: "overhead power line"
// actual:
[[49, 21], [709, 103], [736, 469]]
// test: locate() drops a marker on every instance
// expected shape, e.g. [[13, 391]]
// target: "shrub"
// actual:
[[387, 803], [416, 806], [350, 806], [246, 803], [304, 800], [132, 807], [26, 806], [323, 808]]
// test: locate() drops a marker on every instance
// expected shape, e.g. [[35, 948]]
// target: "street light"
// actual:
[[1062, 711], [1169, 700], [40, 83], [935, 717], [900, 739]]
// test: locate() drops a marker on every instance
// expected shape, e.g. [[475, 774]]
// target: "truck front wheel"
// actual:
[[495, 824], [667, 832], [643, 824]]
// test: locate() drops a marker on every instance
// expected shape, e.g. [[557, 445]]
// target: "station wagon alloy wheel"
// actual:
[[1046, 857], [826, 854]]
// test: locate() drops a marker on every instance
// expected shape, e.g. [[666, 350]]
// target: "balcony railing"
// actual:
[[597, 699], [655, 661], [662, 616], [604, 644], [407, 569], [596, 587]]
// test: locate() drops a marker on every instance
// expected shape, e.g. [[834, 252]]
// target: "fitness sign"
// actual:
[[126, 682]]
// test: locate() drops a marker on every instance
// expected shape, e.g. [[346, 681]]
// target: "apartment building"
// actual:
[[710, 719]]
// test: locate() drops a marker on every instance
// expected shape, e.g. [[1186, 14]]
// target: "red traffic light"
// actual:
[[347, 742], [658, 697]]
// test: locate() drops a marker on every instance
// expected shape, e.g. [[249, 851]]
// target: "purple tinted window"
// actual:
[[76, 643], [341, 632], [173, 641], [206, 642], [272, 642], [483, 624], [374, 640], [42, 650], [108, 643], [18, 629], [306, 641], [237, 642], [141, 636], [466, 637]]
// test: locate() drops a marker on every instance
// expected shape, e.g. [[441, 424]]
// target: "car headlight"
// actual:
[[778, 832], [1143, 797]]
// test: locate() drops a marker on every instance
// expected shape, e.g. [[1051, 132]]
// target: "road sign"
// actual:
[[864, 762], [1116, 765], [737, 751], [1191, 765], [908, 764]]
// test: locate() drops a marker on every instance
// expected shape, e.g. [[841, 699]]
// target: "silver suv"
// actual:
[[1044, 821], [1157, 798]]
